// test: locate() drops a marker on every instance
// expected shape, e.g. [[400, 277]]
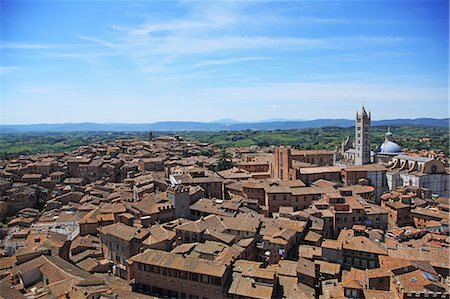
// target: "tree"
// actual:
[[224, 161]]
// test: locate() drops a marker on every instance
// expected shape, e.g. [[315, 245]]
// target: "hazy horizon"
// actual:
[[210, 121], [151, 61]]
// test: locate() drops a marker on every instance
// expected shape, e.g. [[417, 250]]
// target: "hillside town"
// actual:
[[175, 218]]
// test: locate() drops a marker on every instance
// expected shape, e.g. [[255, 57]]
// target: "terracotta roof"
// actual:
[[123, 231], [366, 167], [354, 279], [328, 268], [313, 237], [322, 169], [419, 281], [331, 244], [159, 234], [376, 294], [306, 267], [192, 264], [249, 288], [361, 243], [221, 224]]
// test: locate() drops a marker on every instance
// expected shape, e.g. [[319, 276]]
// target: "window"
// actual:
[[194, 276], [216, 281], [183, 275], [204, 278]]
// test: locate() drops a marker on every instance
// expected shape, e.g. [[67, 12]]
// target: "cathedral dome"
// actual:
[[389, 146]]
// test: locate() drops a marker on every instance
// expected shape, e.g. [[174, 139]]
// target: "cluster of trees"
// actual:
[[15, 144], [224, 161], [326, 138]]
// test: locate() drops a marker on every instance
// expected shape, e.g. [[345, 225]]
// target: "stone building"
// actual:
[[120, 242], [423, 172], [196, 270], [362, 137], [179, 197]]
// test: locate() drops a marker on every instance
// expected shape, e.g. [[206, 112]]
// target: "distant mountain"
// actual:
[[222, 125], [226, 121]]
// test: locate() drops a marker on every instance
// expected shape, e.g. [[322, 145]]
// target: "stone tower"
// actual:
[[362, 137], [282, 163], [179, 197]]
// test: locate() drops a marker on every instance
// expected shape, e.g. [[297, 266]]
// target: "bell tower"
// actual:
[[362, 137]]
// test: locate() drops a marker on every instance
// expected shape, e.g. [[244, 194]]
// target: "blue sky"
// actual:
[[148, 61]]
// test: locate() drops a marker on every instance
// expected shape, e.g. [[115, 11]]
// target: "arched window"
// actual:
[[433, 169]]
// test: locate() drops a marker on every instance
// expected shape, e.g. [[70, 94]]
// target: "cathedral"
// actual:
[[401, 169], [359, 153]]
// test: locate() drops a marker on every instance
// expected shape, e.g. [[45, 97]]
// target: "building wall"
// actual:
[[282, 162], [332, 255], [213, 189], [312, 177], [263, 167], [360, 259], [378, 180], [299, 202], [88, 228], [181, 201], [255, 193], [21, 201], [118, 251], [398, 217], [320, 159], [380, 283], [174, 283], [421, 220], [437, 183]]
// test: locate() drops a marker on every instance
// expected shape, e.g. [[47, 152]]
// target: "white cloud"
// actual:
[[8, 69], [227, 61], [211, 29]]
